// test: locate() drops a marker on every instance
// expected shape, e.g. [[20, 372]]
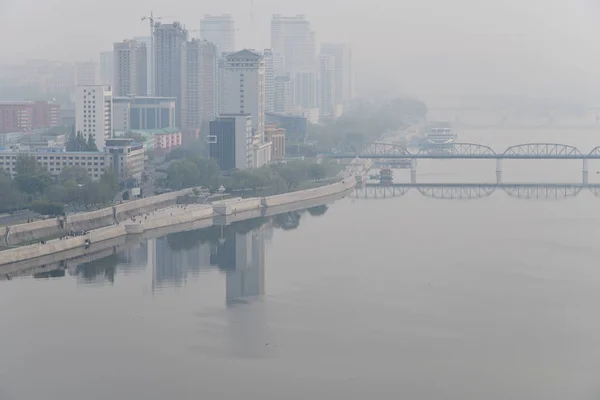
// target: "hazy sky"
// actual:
[[424, 47]]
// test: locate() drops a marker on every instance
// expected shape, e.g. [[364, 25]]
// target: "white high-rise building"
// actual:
[[220, 30], [86, 73], [269, 80], [147, 40], [201, 79], [107, 62], [292, 38], [130, 69], [244, 88], [326, 84], [344, 75], [93, 113]]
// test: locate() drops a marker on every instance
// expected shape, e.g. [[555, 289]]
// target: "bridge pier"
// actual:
[[498, 170], [585, 171], [413, 171]]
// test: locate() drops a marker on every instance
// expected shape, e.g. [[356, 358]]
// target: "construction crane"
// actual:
[[151, 19]]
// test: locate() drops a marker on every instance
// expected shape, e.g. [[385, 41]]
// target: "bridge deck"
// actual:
[[486, 185]]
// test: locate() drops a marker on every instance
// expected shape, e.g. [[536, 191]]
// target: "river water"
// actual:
[[406, 297]]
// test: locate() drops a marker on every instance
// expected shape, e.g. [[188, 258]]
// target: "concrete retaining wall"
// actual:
[[196, 213], [33, 231], [147, 205], [303, 195], [90, 220], [57, 246], [40, 250], [238, 204]]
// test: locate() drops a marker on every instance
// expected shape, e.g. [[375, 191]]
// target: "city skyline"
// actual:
[[563, 65]]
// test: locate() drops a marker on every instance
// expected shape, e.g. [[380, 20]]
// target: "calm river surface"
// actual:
[[409, 297]]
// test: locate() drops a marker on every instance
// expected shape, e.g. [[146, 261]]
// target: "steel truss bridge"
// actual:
[[526, 151], [471, 191]]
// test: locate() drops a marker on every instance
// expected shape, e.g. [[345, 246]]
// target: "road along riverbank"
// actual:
[[173, 216]]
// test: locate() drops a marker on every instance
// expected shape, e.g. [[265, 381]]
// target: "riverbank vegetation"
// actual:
[[194, 171], [33, 187]]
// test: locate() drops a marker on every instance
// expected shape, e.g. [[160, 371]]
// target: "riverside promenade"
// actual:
[[132, 220]]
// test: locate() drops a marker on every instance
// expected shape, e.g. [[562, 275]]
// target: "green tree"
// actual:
[[208, 169], [76, 142], [109, 179], [10, 198], [293, 173], [316, 171], [47, 208], [91, 144], [31, 178], [183, 174], [78, 174]]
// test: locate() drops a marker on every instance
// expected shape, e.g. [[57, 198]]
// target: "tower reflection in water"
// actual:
[[237, 249]]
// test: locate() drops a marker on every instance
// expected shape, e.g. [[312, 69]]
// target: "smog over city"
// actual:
[[315, 199]]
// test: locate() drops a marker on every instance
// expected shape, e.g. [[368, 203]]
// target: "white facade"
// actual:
[[344, 74], [269, 59], [86, 73], [130, 69], [93, 113], [244, 88], [220, 30], [261, 154], [96, 163]]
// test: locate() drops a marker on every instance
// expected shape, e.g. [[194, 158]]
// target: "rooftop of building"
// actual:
[[161, 131], [243, 54], [135, 97]]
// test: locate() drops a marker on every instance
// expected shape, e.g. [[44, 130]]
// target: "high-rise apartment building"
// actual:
[[86, 73], [269, 59], [130, 68], [244, 88], [93, 113], [147, 40], [304, 89], [282, 94], [107, 65], [170, 41], [292, 39], [344, 75], [220, 30], [326, 84], [230, 141], [201, 80]]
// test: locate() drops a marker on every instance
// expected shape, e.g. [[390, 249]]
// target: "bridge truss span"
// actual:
[[542, 150], [456, 192], [385, 149], [543, 192], [461, 150]]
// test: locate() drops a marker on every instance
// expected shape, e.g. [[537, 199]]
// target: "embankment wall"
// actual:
[[33, 231], [154, 222]]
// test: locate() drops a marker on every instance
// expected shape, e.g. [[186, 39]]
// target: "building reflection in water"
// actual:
[[237, 249], [242, 256]]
